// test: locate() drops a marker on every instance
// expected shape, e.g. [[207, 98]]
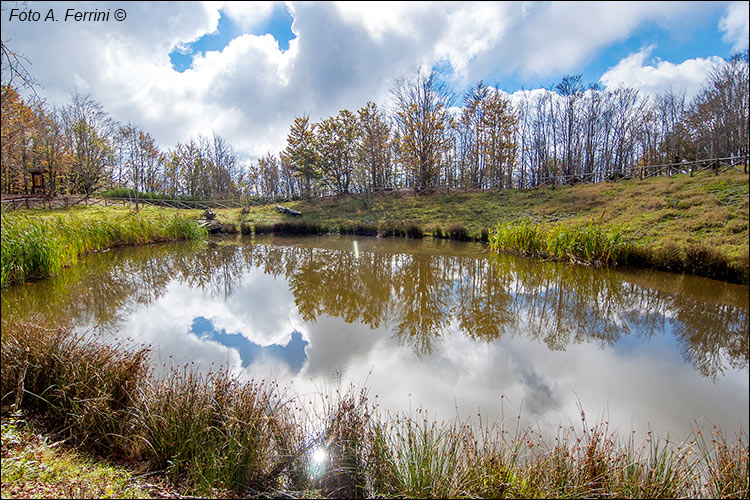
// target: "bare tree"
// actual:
[[88, 132], [421, 118]]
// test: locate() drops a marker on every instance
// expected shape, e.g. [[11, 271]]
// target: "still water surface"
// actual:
[[438, 325]]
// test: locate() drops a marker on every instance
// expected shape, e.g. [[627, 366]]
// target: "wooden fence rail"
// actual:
[[714, 165]]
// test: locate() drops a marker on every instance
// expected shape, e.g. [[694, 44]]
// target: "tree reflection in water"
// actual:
[[419, 290]]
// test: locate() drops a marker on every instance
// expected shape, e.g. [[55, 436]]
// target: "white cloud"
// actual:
[[248, 14], [344, 54], [549, 39], [735, 25], [659, 76]]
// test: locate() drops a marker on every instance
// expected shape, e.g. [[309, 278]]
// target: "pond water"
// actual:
[[443, 326]]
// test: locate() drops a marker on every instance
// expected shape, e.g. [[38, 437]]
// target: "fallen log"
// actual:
[[287, 211]]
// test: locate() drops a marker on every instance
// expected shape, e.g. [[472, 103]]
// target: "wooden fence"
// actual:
[[36, 201], [715, 166]]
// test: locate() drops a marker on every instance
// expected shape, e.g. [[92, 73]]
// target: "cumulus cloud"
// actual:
[[549, 39], [344, 54], [734, 24], [247, 14], [659, 76]]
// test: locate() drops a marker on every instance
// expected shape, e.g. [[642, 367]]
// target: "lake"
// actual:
[[447, 327]]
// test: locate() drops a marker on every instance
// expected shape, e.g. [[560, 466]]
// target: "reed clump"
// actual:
[[213, 434], [78, 384], [588, 243], [35, 247], [596, 244]]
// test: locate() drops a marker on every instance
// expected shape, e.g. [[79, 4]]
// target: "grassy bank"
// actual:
[[214, 435], [697, 225], [40, 245], [600, 244]]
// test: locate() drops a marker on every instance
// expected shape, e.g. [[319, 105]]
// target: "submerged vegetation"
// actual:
[[213, 434], [41, 246]]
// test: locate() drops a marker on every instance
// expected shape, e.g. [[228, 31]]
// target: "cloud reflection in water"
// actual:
[[430, 324]]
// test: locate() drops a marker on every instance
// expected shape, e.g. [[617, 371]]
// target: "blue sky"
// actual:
[[246, 69], [278, 25], [670, 42]]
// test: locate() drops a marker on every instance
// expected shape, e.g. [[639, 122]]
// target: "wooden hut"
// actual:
[[37, 179]]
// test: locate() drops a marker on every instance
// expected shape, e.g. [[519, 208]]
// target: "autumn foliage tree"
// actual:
[[17, 133], [300, 153], [565, 133], [422, 120]]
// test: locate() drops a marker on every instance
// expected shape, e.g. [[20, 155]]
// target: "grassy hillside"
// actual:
[[661, 216], [658, 213]]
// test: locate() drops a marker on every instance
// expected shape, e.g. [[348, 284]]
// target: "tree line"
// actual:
[[486, 139]]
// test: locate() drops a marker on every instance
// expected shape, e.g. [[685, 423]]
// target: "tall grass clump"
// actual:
[[419, 458], [359, 229], [725, 464], [262, 228], [346, 418], [696, 259], [458, 232], [84, 387], [42, 246], [587, 243], [214, 432], [523, 237], [208, 433], [409, 230]]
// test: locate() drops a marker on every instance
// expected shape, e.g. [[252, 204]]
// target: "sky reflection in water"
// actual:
[[430, 324]]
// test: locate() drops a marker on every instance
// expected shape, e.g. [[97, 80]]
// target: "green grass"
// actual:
[[672, 223], [219, 436], [41, 245], [663, 216], [587, 242]]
